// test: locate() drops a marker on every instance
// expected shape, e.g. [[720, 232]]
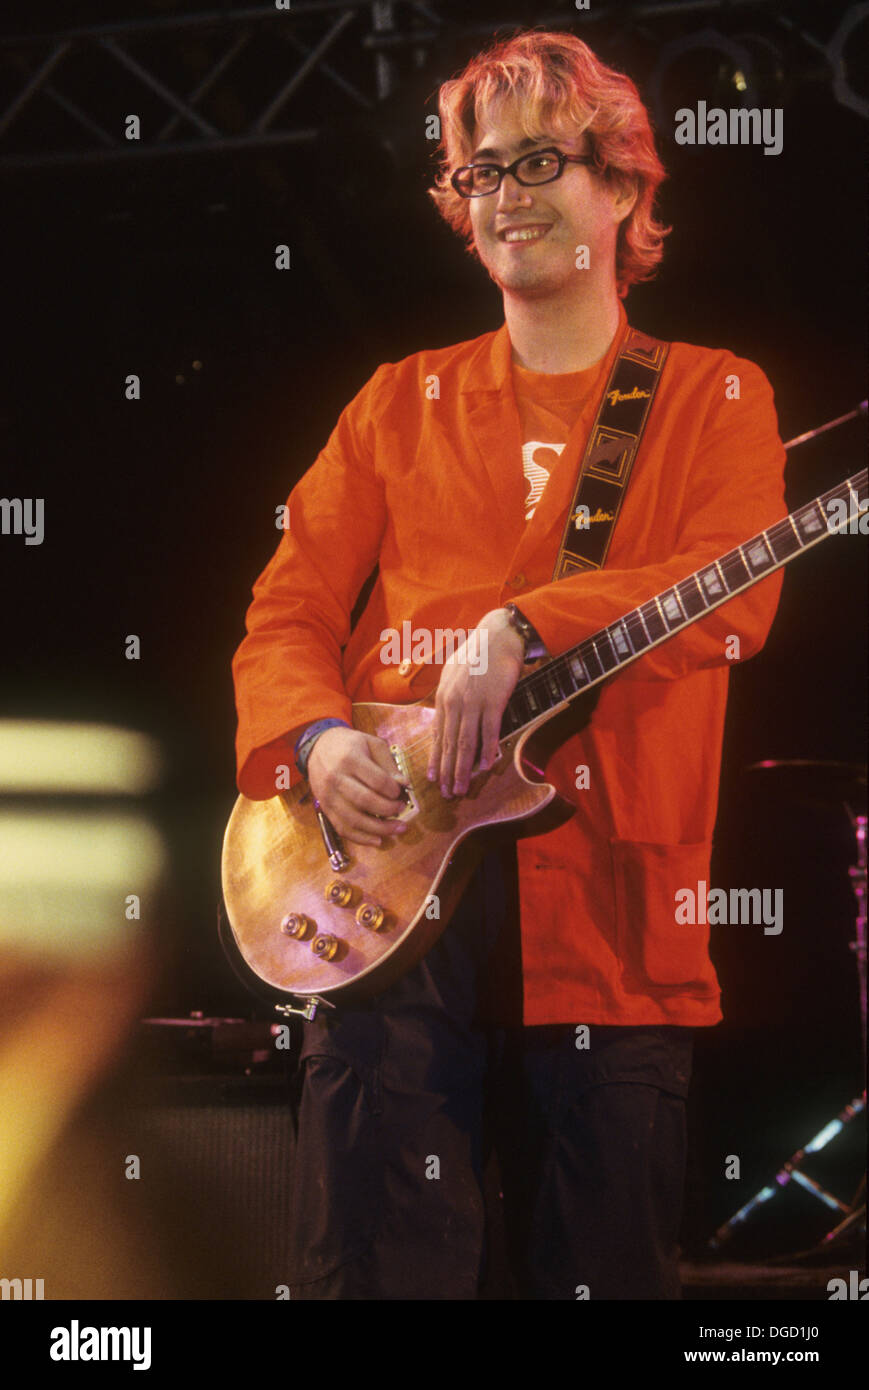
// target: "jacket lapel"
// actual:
[[492, 419]]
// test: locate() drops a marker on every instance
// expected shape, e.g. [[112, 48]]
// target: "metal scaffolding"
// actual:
[[39, 62], [187, 69]]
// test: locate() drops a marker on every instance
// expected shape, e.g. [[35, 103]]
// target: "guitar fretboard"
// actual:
[[597, 657]]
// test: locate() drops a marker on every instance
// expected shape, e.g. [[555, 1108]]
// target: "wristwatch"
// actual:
[[535, 647]]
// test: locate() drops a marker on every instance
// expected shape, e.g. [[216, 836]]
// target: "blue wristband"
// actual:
[[304, 744]]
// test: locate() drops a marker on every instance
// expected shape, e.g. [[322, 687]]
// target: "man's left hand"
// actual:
[[471, 698]]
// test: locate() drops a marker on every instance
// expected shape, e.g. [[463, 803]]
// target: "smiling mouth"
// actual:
[[525, 233]]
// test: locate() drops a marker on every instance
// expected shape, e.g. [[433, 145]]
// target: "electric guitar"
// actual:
[[311, 920]]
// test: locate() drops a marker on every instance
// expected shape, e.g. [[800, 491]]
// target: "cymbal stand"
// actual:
[[790, 1171], [857, 874]]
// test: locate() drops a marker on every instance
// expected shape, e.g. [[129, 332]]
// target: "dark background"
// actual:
[[160, 512]]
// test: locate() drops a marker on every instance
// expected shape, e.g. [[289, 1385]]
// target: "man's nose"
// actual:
[[512, 192]]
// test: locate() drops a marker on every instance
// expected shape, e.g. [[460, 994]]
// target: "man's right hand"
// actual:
[[352, 775]]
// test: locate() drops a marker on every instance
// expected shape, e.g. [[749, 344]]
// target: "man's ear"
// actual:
[[625, 194]]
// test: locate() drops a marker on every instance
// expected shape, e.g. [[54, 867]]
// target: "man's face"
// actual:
[[527, 238]]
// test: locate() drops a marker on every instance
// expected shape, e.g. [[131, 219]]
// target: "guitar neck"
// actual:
[[553, 685]]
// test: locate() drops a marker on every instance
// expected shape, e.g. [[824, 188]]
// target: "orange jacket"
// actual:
[[422, 476]]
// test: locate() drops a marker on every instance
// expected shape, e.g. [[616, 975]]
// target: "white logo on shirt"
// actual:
[[536, 475]]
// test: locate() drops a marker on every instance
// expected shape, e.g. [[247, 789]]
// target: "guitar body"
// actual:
[[275, 863]]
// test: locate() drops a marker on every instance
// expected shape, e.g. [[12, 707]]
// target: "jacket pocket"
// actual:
[[652, 945]]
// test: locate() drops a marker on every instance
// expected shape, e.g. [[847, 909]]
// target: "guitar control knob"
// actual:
[[339, 892], [370, 915], [325, 946], [298, 925]]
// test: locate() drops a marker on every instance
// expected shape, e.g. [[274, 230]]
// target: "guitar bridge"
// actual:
[[411, 805]]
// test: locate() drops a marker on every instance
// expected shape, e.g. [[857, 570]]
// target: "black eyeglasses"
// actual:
[[543, 166]]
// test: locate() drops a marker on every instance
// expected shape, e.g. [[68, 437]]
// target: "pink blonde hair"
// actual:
[[557, 82]]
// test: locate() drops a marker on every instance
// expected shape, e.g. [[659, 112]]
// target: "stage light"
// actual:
[[843, 53], [743, 70], [82, 759], [76, 879], [69, 880]]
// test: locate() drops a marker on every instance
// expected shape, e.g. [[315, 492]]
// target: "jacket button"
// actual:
[[405, 668], [517, 581]]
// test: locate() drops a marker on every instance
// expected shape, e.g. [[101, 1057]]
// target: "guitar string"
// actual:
[[537, 682]]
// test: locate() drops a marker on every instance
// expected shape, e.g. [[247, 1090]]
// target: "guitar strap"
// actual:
[[610, 452]]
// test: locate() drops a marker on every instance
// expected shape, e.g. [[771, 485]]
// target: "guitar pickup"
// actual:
[[411, 805]]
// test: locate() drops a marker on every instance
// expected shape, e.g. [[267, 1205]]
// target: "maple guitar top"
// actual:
[[306, 929]]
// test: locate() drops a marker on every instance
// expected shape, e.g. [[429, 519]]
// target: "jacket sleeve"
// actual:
[[734, 490], [287, 670]]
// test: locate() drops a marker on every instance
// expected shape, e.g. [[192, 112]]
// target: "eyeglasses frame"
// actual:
[[512, 168]]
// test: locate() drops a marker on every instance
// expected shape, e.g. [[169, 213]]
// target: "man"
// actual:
[[549, 170]]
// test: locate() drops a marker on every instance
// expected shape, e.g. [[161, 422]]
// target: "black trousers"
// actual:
[[400, 1103]]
